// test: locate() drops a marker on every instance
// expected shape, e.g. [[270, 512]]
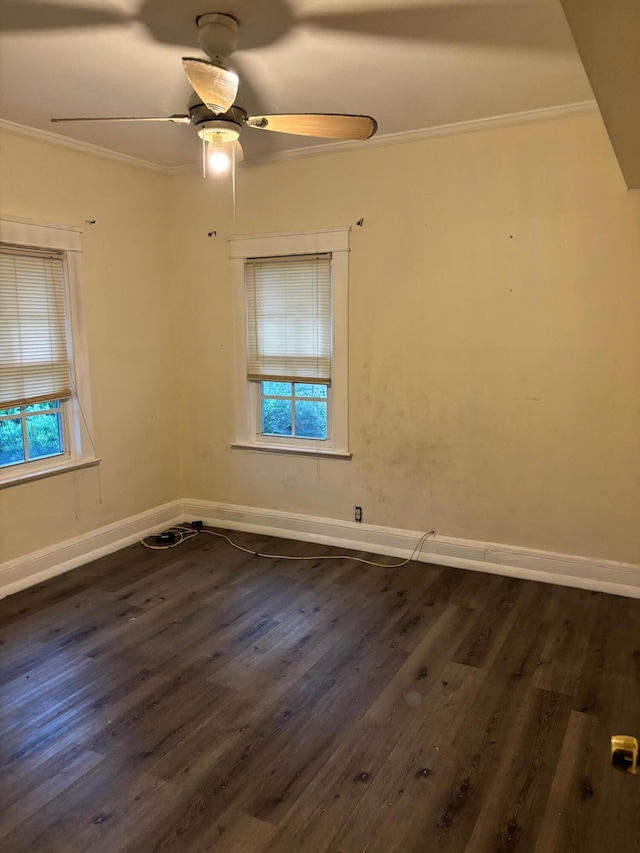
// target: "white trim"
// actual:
[[379, 140], [403, 137], [41, 473], [41, 235], [78, 145], [59, 558], [184, 169], [511, 561], [264, 447], [289, 243], [81, 420], [340, 349], [334, 240]]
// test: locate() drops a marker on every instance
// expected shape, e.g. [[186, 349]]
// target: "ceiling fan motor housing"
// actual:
[[209, 123], [218, 36]]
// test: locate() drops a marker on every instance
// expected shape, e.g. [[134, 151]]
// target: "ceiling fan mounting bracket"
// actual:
[[218, 35]]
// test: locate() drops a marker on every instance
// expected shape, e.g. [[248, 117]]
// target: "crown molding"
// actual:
[[184, 169], [472, 126], [77, 145]]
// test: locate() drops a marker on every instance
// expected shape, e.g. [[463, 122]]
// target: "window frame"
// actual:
[[334, 241], [23, 416], [76, 416], [293, 398]]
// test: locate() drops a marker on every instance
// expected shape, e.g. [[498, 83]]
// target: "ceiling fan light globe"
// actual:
[[218, 160]]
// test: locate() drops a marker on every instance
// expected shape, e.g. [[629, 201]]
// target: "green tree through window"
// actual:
[[30, 432], [294, 409]]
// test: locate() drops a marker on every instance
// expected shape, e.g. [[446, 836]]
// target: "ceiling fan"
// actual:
[[218, 119]]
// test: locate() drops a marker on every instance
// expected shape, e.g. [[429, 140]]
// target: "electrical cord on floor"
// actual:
[[179, 534], [182, 534]]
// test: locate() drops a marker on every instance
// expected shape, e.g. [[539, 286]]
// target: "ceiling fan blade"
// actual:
[[216, 86], [175, 119], [325, 125], [17, 15]]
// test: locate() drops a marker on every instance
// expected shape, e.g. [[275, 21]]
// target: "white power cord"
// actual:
[[184, 533]]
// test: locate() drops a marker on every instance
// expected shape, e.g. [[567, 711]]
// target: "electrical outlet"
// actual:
[[357, 513]]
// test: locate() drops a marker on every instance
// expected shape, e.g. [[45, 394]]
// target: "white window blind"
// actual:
[[34, 356], [289, 318]]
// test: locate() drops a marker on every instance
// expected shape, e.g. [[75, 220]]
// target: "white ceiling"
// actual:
[[412, 65]]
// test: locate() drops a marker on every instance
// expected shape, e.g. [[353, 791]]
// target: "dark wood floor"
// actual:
[[203, 699]]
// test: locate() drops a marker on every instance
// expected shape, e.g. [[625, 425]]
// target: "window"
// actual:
[[293, 408], [31, 432], [291, 309], [45, 414]]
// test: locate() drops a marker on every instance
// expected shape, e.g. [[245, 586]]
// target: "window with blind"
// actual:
[[289, 318], [291, 323], [289, 342], [34, 356], [41, 408]]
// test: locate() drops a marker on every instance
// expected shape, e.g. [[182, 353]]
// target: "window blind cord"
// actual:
[[185, 533], [76, 491], [91, 441], [233, 186], [84, 421]]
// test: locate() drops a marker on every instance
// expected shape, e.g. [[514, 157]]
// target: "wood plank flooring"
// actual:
[[202, 699]]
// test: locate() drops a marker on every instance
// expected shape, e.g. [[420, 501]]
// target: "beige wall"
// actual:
[[495, 338], [494, 348], [129, 302]]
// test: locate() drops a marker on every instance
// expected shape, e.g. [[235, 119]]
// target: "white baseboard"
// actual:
[[528, 563], [39, 565], [518, 562]]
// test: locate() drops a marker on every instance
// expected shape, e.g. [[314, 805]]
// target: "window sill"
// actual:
[[26, 477], [291, 451]]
